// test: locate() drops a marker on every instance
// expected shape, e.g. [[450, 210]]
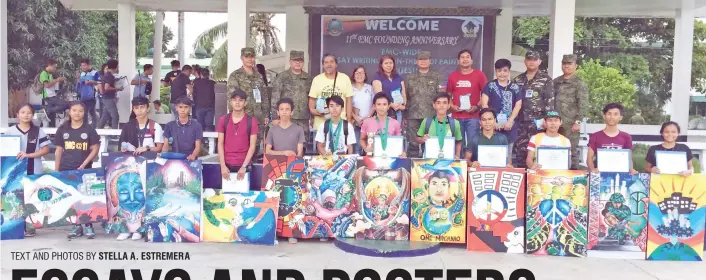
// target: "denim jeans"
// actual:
[[205, 118], [90, 111], [110, 112], [469, 128]]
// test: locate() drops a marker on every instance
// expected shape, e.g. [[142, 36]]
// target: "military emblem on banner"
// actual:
[[334, 27], [470, 28]]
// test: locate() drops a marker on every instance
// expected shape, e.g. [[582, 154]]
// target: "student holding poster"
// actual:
[[550, 138], [610, 138], [488, 136], [677, 155], [441, 126], [76, 147], [237, 137], [380, 124], [464, 86], [34, 144], [140, 132]]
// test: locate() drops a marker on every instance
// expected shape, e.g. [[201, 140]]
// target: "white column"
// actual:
[[681, 73], [503, 34], [297, 30], [561, 34], [181, 46], [238, 19], [4, 86], [127, 62], [157, 56]]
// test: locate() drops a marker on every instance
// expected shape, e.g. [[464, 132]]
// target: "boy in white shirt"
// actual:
[[340, 130], [550, 138]]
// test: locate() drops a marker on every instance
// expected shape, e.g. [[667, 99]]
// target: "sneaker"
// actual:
[[292, 240], [123, 236], [76, 232], [90, 233], [136, 236], [30, 233]]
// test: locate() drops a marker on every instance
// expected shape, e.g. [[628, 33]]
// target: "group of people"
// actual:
[[526, 113]]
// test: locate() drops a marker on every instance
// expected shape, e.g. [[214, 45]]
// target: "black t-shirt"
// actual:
[[77, 145], [108, 79], [652, 159], [178, 88], [169, 78], [204, 93]]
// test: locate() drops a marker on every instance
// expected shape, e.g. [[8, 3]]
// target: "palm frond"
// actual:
[[219, 62], [211, 35]]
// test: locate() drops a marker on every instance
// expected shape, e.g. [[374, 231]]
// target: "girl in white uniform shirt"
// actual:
[[362, 101]]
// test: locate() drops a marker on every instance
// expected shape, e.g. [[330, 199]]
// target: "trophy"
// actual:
[[371, 140]]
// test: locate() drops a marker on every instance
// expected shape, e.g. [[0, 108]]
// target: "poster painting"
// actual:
[[438, 212], [677, 211], [286, 176], [173, 211], [617, 223], [245, 218], [496, 212], [557, 213], [125, 177], [12, 217]]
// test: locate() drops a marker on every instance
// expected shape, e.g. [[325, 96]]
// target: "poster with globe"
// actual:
[[438, 212]]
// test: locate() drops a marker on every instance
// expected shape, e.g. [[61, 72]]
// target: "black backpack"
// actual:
[[228, 118], [452, 124], [345, 132]]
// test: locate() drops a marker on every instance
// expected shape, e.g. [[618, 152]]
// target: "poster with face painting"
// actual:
[[496, 212], [126, 178], [173, 211], [65, 198], [330, 197], [438, 211], [381, 198], [12, 219]]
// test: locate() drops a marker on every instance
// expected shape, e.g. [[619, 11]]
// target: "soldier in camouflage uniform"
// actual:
[[572, 99], [538, 99], [250, 81], [617, 224], [294, 83], [421, 89]]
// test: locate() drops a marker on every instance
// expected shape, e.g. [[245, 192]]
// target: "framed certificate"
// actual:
[[554, 158], [395, 146], [671, 162], [10, 145], [614, 160], [235, 185], [465, 102], [492, 155], [432, 149]]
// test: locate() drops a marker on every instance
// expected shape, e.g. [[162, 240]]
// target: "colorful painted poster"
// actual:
[[617, 219], [65, 198], [677, 214], [438, 211], [125, 177], [12, 218], [286, 175], [246, 218], [330, 197], [557, 213], [496, 212], [382, 191], [173, 211]]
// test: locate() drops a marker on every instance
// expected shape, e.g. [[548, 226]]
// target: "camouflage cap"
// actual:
[[247, 51], [296, 55], [532, 55], [424, 55], [569, 58]]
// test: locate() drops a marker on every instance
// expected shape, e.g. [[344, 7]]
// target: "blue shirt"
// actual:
[[392, 87], [140, 88], [502, 99], [183, 136]]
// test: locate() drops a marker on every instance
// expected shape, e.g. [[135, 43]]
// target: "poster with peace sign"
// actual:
[[496, 212]]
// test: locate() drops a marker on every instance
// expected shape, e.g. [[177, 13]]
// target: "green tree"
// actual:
[[605, 85], [263, 37]]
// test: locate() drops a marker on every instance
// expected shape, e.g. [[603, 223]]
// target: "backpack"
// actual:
[[227, 118], [452, 124], [345, 131], [37, 87]]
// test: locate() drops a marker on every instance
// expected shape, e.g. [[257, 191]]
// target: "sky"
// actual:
[[196, 23]]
